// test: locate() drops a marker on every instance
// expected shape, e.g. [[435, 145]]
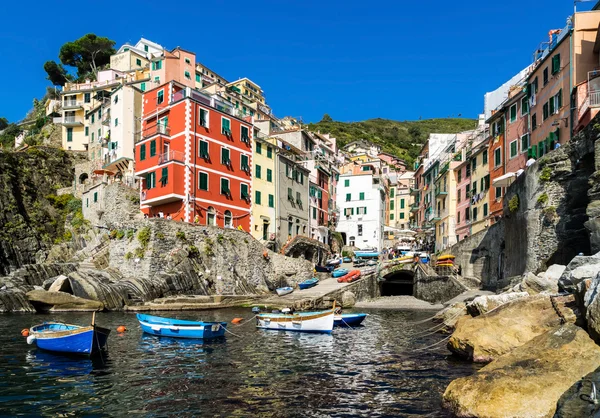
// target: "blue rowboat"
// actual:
[[366, 254], [349, 320], [324, 269], [65, 338], [281, 291], [347, 260], [179, 328], [308, 283], [339, 272]]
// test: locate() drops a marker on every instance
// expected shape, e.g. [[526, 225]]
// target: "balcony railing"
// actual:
[[106, 118], [414, 191], [171, 156], [70, 120], [414, 208], [72, 104], [155, 130], [439, 191], [595, 98]]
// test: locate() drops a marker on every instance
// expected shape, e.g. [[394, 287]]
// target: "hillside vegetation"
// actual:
[[403, 139]]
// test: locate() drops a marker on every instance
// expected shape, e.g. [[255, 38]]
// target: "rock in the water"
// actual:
[[450, 315], [489, 336], [576, 402], [580, 268], [483, 304], [60, 301], [528, 381], [348, 299], [60, 284]]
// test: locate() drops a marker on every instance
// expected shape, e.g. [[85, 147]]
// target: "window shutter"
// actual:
[[142, 152], [559, 99], [203, 182], [164, 176], [152, 148], [551, 102]]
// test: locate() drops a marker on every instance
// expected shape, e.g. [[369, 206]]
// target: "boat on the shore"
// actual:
[[179, 328], [349, 320], [281, 291], [347, 260], [306, 284], [333, 261], [366, 253], [71, 339], [339, 272], [350, 277], [299, 322], [324, 269]]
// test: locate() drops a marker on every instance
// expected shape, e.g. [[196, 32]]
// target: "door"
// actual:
[[265, 230]]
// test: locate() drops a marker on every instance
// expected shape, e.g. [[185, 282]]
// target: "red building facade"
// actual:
[[194, 157]]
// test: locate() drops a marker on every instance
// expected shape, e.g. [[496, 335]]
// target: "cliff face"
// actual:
[[31, 216]]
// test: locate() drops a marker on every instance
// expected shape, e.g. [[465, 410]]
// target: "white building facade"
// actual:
[[361, 201]]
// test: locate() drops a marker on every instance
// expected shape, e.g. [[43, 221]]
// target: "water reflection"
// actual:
[[367, 371]]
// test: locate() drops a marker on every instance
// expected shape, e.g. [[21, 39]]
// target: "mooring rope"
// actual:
[[245, 322], [438, 326], [226, 330], [433, 345]]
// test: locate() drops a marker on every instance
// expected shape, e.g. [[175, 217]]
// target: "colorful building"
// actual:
[[480, 185], [264, 185], [195, 158]]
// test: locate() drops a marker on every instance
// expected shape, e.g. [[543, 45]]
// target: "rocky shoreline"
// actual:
[[539, 339]]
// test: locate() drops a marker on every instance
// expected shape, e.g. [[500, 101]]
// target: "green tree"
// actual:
[[3, 123], [57, 74], [326, 118], [87, 54]]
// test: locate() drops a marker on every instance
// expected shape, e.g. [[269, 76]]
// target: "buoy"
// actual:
[[236, 320], [25, 332], [266, 254], [121, 328]]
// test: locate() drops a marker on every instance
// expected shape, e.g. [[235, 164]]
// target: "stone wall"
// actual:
[[480, 255], [435, 289]]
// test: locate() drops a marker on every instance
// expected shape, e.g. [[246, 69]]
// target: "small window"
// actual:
[[361, 196], [145, 48], [269, 152], [187, 61], [497, 157], [116, 122], [525, 143], [225, 127], [70, 135], [244, 164], [484, 157], [244, 191], [391, 205], [269, 175], [245, 135], [348, 197], [513, 149], [138, 62], [95, 196], [164, 176], [142, 152], [498, 192], [143, 86], [203, 181], [87, 130], [258, 171], [87, 97], [272, 201], [152, 148], [225, 156], [257, 196], [391, 216], [203, 149], [187, 75], [160, 97], [485, 209], [545, 76], [513, 113], [524, 106], [556, 64], [347, 183], [392, 192], [203, 119], [225, 186], [258, 148], [150, 180]]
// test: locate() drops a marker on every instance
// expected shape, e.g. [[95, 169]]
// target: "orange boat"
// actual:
[[350, 277]]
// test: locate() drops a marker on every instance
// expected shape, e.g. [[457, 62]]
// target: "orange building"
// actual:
[[195, 158]]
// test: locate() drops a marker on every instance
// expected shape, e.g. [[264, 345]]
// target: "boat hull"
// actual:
[[166, 327], [366, 254], [348, 320], [339, 273], [307, 284], [282, 291], [321, 322], [350, 277], [73, 339]]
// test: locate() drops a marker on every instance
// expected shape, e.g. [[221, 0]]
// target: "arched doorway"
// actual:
[[398, 283], [83, 177]]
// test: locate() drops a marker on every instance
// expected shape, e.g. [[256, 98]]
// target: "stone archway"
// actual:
[[398, 283], [83, 177]]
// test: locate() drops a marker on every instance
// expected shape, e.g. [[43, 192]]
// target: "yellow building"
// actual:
[[480, 185], [445, 206], [248, 89], [400, 201], [264, 191]]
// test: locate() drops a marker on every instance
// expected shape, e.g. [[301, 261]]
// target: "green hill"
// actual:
[[403, 139]]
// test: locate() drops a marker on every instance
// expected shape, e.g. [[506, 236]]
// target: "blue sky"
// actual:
[[354, 60]]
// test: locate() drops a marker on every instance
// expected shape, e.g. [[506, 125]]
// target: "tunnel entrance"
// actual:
[[399, 283]]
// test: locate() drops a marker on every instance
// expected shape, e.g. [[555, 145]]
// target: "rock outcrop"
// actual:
[[450, 315], [528, 381], [486, 337], [579, 269], [577, 401], [483, 304], [45, 301]]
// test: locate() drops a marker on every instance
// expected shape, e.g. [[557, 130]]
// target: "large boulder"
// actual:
[[348, 299], [484, 304], [553, 273], [450, 315], [579, 269], [60, 284], [575, 402], [486, 337], [532, 284], [528, 381], [44, 301], [591, 305]]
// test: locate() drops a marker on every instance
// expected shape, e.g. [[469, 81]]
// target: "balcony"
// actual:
[[414, 192], [595, 98], [434, 216], [155, 130], [69, 121], [106, 118], [440, 192], [72, 104], [171, 156], [414, 208]]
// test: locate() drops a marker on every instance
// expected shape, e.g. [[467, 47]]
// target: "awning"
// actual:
[[504, 181], [101, 172], [407, 232]]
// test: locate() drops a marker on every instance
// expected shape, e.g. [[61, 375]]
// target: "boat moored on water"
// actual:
[[179, 328], [299, 322], [306, 284], [282, 291], [349, 320], [70, 339]]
